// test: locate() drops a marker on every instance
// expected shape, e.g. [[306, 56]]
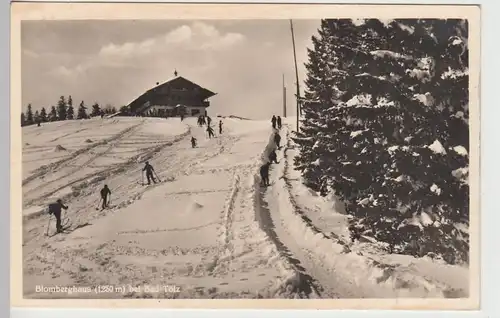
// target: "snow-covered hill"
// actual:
[[210, 229]]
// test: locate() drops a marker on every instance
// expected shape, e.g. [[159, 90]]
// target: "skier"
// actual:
[[199, 121], [279, 122], [193, 142], [203, 120], [209, 120], [55, 208], [182, 117], [210, 131], [277, 139], [220, 127], [273, 121], [149, 172], [104, 196], [264, 173], [273, 157]]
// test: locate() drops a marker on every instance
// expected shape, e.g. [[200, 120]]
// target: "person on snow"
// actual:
[[200, 121], [277, 139], [193, 142], [203, 120], [264, 173], [273, 121], [182, 117], [279, 122], [210, 131], [55, 208], [220, 127], [273, 157], [209, 120], [149, 172], [104, 196]]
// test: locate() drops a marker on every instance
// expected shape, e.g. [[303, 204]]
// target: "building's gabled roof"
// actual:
[[205, 93]]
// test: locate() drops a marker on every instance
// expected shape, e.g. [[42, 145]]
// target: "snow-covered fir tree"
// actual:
[[82, 111], [29, 115], [385, 128], [70, 112], [62, 108], [43, 115], [53, 114], [96, 110]]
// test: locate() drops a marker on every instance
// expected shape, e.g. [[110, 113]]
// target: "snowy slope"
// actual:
[[197, 231], [209, 228]]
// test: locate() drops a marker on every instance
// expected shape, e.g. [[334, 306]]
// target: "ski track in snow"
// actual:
[[243, 262]]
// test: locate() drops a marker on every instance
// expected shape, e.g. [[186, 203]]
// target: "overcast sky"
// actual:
[[116, 61]]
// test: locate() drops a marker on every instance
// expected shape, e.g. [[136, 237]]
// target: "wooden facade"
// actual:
[[175, 97]]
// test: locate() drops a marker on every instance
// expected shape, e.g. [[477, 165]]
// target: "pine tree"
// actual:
[[378, 96], [319, 97], [434, 166], [43, 115], [23, 120], [70, 111], [82, 111], [62, 108], [96, 110], [29, 115], [53, 114]]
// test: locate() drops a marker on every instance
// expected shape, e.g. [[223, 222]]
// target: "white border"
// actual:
[[488, 120]]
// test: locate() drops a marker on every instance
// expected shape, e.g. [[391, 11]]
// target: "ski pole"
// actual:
[[157, 176], [48, 225], [97, 208]]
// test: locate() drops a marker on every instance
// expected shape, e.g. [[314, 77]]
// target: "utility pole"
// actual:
[[284, 97], [296, 75]]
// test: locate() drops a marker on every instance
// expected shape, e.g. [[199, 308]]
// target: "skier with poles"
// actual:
[[209, 120], [279, 122], [264, 173], [220, 127], [210, 131], [104, 196], [149, 173], [277, 139], [193, 142], [273, 121], [55, 208]]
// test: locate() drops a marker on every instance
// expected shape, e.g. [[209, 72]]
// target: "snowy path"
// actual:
[[326, 282], [198, 231]]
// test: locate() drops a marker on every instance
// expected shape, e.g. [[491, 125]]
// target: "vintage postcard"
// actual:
[[245, 156]]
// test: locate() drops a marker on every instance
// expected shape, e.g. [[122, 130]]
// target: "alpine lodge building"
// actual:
[[176, 97]]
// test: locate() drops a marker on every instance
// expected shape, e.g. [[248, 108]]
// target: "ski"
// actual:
[[64, 228]]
